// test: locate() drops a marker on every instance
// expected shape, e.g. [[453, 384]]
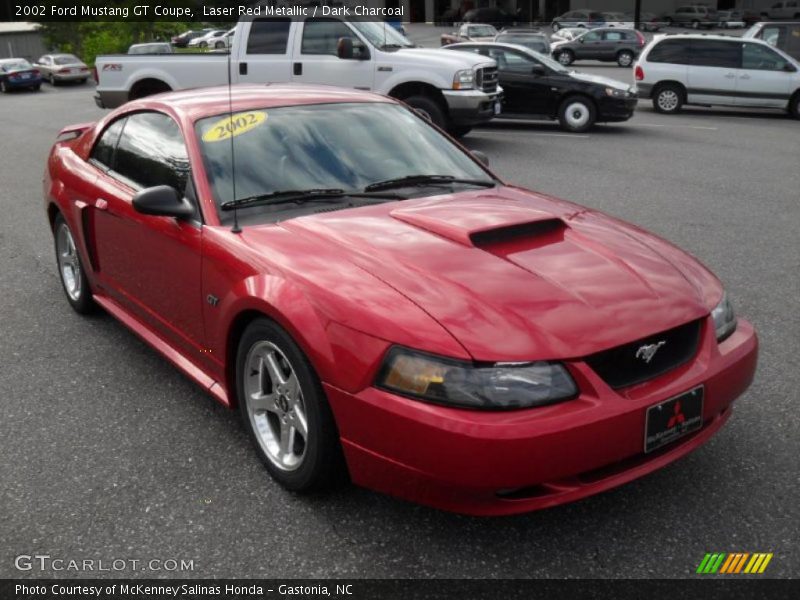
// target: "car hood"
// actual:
[[517, 276], [600, 80], [455, 60]]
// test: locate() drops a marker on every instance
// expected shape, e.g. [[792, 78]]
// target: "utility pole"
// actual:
[[637, 14]]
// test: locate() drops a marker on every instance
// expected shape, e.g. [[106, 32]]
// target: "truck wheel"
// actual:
[[429, 108], [576, 114], [794, 105]]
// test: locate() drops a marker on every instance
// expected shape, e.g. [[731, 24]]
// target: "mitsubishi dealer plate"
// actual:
[[673, 418]]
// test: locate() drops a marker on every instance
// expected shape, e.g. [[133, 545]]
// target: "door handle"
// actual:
[[730, 76], [745, 77], [298, 68], [101, 204], [242, 68]]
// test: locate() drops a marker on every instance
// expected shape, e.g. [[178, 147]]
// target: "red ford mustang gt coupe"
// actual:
[[377, 303]]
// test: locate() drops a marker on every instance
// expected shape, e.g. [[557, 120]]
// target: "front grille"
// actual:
[[487, 79], [627, 365]]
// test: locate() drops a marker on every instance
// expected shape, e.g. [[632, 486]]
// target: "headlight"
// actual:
[[464, 79], [724, 319], [616, 93], [456, 383]]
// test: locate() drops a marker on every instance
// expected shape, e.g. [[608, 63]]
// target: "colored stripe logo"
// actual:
[[734, 562]]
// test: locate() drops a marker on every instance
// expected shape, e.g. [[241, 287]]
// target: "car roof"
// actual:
[[199, 103], [505, 45], [6, 61]]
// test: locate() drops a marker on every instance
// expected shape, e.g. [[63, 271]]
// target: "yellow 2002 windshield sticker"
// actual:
[[234, 125]]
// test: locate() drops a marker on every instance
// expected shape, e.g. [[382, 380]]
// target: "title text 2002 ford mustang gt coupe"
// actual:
[[377, 303]]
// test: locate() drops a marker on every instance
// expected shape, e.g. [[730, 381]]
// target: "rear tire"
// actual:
[[794, 105], [625, 58], [668, 98], [429, 108], [577, 114], [51, 80], [285, 410], [70, 269]]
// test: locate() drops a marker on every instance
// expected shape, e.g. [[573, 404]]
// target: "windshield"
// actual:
[[482, 31], [17, 65], [381, 34], [346, 146], [66, 59]]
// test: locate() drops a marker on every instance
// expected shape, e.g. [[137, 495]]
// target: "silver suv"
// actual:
[[694, 16]]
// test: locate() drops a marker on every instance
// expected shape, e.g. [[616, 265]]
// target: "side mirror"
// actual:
[[789, 68], [344, 48], [162, 201], [481, 157], [538, 70]]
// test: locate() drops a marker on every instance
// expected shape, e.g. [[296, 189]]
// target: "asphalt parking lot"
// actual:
[[109, 452]]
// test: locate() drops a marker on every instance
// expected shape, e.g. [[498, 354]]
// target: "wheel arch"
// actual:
[[146, 83], [419, 88], [666, 82]]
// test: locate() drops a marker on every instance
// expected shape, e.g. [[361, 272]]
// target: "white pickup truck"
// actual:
[[455, 89]]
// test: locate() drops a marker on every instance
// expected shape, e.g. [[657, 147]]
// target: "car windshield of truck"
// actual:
[[382, 35], [324, 148]]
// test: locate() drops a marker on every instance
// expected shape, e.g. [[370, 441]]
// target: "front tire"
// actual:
[[668, 99], [285, 410], [577, 114], [625, 58], [70, 269], [428, 108], [565, 57]]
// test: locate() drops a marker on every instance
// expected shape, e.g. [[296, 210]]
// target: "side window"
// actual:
[[760, 58], [670, 51], [151, 152], [321, 36], [613, 36], [103, 151], [713, 53], [511, 61], [592, 36], [268, 36]]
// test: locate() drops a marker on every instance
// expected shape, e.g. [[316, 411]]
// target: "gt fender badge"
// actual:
[[212, 299], [648, 351]]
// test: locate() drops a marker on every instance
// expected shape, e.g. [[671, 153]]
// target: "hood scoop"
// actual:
[[486, 224]]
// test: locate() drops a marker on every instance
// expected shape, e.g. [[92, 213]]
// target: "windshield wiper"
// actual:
[[419, 180], [301, 197]]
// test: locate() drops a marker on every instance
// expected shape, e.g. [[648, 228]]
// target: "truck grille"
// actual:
[[627, 364], [487, 79]]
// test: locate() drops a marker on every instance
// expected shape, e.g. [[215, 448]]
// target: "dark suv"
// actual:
[[607, 44]]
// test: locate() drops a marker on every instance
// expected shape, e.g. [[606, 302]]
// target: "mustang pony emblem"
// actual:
[[647, 352]]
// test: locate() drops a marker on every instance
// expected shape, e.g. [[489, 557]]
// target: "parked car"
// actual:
[[620, 45], [496, 17], [617, 19], [567, 33], [716, 70], [381, 305], [585, 18], [694, 16], [60, 68], [785, 9], [647, 21], [469, 32], [532, 39], [782, 35], [456, 91], [213, 39], [182, 40], [151, 48], [16, 73], [730, 19], [537, 87]]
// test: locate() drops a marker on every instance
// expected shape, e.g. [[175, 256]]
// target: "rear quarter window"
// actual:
[[670, 51]]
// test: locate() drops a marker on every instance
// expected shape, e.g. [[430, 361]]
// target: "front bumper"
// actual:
[[610, 109], [643, 90], [494, 463], [471, 107]]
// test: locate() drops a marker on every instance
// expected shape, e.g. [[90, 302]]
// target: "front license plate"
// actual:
[[497, 108], [673, 418], [26, 76]]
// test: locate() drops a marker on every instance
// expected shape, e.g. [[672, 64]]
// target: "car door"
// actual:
[[315, 57], [148, 264], [764, 79], [266, 55], [613, 41], [522, 90], [713, 73], [589, 45]]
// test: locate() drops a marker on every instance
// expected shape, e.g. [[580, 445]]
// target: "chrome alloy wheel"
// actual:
[[668, 100], [577, 115], [69, 265], [275, 405]]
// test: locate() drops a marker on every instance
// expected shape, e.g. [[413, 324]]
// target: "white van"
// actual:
[[717, 70]]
